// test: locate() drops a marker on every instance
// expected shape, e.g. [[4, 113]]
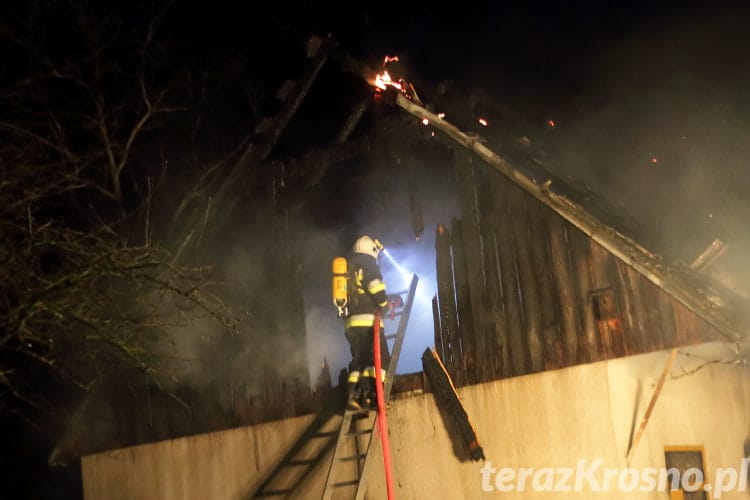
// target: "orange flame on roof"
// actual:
[[383, 81]]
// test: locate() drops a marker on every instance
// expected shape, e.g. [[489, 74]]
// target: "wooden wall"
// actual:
[[521, 290]]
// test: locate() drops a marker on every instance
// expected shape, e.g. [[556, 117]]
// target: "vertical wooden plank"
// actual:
[[497, 312], [447, 304], [645, 330], [490, 187], [582, 260], [539, 215], [465, 180], [437, 326], [614, 325], [564, 285], [691, 328], [511, 303], [532, 314], [472, 342], [610, 331], [627, 310], [667, 316], [654, 340]]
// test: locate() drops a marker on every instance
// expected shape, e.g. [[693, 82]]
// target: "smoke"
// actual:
[[372, 198], [658, 129], [325, 341]]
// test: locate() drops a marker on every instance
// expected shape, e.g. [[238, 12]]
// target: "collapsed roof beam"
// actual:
[[245, 173]]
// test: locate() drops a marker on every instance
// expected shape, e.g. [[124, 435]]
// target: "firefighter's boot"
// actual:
[[369, 396], [351, 397]]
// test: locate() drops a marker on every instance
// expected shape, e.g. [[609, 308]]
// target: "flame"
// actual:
[[482, 122], [551, 123], [441, 115], [425, 121], [383, 81], [654, 160]]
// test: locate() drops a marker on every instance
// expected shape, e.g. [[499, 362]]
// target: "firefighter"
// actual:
[[367, 296]]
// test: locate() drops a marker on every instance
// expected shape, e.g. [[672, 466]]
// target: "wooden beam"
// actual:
[[342, 139], [651, 404], [447, 399], [565, 295], [307, 170], [513, 330], [446, 302], [527, 274], [471, 342], [474, 264], [677, 280], [582, 259], [242, 176]]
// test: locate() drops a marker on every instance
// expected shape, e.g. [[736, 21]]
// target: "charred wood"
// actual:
[[465, 180], [582, 268], [565, 288], [511, 303], [471, 343], [447, 400], [532, 307], [308, 169], [677, 280], [446, 301], [538, 243], [667, 317], [486, 193], [437, 326]]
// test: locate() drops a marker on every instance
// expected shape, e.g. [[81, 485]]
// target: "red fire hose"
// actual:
[[382, 421]]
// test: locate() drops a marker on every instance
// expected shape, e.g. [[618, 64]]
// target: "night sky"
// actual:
[[649, 101]]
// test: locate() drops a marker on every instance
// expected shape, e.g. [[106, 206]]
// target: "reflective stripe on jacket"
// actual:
[[368, 283], [361, 320]]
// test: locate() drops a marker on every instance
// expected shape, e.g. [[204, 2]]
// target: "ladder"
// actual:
[[305, 454], [355, 436], [329, 430]]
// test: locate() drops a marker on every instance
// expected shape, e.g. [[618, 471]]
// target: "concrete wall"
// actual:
[[550, 419]]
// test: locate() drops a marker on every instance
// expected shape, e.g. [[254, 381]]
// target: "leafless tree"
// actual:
[[86, 285]]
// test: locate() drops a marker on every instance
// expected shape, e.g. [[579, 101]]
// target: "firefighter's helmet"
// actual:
[[369, 246]]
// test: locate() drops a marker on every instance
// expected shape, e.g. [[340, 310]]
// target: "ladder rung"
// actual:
[[324, 434], [354, 413], [361, 433], [302, 461], [353, 482], [351, 458], [389, 337]]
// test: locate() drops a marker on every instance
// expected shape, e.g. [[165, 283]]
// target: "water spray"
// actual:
[[403, 272]]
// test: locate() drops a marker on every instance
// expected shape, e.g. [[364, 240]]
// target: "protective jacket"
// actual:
[[368, 291], [366, 297]]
